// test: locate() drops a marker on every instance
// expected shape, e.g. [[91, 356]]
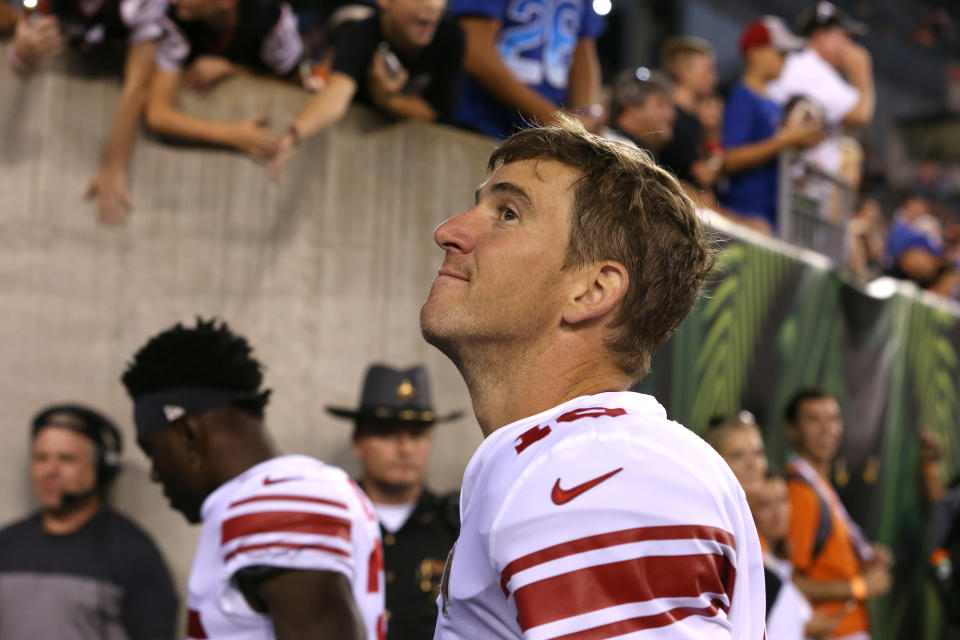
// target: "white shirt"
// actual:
[[600, 518], [790, 611], [806, 74], [394, 516], [292, 512]]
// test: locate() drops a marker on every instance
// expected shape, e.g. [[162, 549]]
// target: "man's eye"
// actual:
[[508, 214]]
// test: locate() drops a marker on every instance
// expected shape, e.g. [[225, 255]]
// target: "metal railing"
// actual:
[[814, 207]]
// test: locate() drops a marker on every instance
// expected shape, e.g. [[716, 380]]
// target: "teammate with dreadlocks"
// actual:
[[298, 560]]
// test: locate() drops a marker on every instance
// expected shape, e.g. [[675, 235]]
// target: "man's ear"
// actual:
[[193, 436], [598, 289]]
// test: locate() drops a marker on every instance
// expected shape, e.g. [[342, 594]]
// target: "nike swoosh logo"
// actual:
[[563, 496], [268, 481]]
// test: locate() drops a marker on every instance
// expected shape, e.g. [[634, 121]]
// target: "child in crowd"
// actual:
[[753, 135], [404, 60], [87, 26], [258, 34]]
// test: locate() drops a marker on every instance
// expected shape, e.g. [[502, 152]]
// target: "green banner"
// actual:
[[770, 324]]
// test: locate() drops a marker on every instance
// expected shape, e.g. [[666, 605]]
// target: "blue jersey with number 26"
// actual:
[[537, 40]]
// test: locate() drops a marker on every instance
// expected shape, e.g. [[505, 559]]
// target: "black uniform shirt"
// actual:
[[414, 557]]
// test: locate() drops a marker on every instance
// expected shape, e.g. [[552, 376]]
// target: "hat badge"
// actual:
[[405, 390]]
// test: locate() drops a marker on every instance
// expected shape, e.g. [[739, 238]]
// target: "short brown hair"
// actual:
[[627, 209], [675, 49], [630, 90]]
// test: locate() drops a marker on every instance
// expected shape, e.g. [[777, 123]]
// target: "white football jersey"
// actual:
[[601, 518], [291, 512]]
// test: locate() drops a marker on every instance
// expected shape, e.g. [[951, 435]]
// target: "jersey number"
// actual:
[[538, 432], [374, 569], [541, 26]]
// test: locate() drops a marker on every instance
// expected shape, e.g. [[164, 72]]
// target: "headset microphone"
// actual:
[[69, 499]]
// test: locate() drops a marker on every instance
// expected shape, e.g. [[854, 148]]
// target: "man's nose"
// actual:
[[457, 234]]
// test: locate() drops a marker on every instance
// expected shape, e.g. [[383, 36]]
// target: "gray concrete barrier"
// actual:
[[324, 272]]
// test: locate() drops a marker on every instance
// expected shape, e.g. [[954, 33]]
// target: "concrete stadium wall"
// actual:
[[324, 272]]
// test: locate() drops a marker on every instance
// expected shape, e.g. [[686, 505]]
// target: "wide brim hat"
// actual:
[[395, 395]]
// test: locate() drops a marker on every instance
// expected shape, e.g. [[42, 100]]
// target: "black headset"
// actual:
[[102, 432]]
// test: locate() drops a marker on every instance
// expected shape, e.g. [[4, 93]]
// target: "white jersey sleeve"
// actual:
[[143, 18], [282, 48], [291, 523], [627, 532], [292, 513]]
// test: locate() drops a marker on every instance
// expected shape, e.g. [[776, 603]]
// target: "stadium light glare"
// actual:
[[30, 4], [602, 7]]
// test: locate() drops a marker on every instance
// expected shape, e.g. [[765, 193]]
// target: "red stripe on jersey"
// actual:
[[622, 627], [286, 545], [612, 539], [294, 498], [636, 580], [286, 521], [195, 630]]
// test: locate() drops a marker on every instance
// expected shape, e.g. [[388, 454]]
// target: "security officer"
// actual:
[[392, 439]]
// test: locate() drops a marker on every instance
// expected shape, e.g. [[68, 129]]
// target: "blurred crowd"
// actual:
[[820, 568], [785, 132], [805, 94]]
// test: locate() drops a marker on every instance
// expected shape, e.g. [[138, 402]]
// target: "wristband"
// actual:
[[294, 133], [858, 587]]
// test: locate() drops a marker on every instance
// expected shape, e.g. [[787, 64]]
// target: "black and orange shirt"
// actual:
[[837, 559]]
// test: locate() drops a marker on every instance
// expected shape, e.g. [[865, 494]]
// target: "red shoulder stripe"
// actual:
[[286, 521], [622, 627], [287, 545], [291, 497], [612, 539], [195, 630], [636, 580]]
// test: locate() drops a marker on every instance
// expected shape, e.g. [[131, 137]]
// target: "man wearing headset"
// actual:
[[77, 570]]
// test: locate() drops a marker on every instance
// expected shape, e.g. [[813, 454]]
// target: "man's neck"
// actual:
[[237, 450], [61, 522], [755, 81], [685, 98], [512, 386], [822, 468], [380, 493]]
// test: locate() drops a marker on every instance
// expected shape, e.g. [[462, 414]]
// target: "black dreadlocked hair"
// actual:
[[208, 355]]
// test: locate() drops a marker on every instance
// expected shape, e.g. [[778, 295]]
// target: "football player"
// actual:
[[290, 547], [585, 513]]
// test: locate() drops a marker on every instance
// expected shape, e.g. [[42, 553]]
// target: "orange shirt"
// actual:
[[837, 559]]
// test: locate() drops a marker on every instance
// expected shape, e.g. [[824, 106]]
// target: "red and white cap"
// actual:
[[769, 31]]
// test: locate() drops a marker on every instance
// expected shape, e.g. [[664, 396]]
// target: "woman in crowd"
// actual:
[[738, 440]]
